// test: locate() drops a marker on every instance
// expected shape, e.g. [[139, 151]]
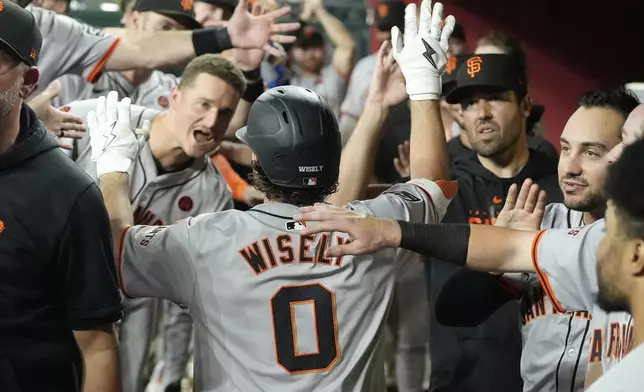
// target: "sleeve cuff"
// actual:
[[86, 320], [119, 266], [96, 72]]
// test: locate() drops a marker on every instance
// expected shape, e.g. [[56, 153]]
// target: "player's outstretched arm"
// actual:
[[244, 31], [356, 165], [422, 55], [481, 247]]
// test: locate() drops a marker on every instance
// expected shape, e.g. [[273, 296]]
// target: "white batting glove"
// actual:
[[114, 144], [422, 52]]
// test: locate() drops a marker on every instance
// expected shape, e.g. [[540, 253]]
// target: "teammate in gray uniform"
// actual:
[[564, 260], [556, 345], [312, 322], [621, 286], [172, 180], [309, 51], [72, 47]]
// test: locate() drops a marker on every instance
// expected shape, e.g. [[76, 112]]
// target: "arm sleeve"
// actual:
[[565, 261], [236, 184], [85, 262], [154, 261], [71, 47]]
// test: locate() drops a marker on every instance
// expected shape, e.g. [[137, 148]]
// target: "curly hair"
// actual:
[[297, 197]]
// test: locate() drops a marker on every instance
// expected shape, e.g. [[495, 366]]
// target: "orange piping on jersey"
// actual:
[[119, 261], [543, 278], [237, 184], [98, 68]]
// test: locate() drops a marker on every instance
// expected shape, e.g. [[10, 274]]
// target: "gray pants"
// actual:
[[136, 331], [177, 341]]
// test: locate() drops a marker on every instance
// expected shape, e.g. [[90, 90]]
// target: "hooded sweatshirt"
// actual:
[[485, 357], [57, 271]]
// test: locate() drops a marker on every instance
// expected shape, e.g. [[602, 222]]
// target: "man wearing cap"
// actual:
[[212, 13], [309, 50], [492, 93], [57, 276]]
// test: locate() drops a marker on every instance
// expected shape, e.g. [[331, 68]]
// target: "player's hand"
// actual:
[[402, 162], [114, 143], [368, 234], [422, 51], [249, 31], [251, 59], [253, 197], [525, 211], [58, 122], [387, 83]]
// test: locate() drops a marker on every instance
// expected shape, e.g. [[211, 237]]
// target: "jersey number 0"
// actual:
[[323, 301]]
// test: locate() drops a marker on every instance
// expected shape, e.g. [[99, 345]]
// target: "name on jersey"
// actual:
[[286, 249], [619, 342], [310, 169], [538, 305]]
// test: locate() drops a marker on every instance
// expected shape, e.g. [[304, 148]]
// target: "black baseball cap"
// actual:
[[178, 10], [451, 70], [231, 4], [19, 34], [490, 72], [458, 32], [308, 37], [389, 13]]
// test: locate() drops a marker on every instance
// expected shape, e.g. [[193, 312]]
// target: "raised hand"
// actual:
[[401, 162], [114, 143], [422, 50], [525, 211], [249, 31], [387, 82]]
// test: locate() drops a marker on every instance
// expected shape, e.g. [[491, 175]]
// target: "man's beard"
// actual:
[[610, 303], [9, 99], [588, 203]]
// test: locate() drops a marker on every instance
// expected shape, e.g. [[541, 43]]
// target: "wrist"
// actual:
[[254, 85], [214, 40], [393, 234]]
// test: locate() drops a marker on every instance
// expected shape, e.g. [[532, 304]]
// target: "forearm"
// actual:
[[337, 32], [237, 152], [358, 156], [239, 118], [347, 125], [115, 189], [101, 360], [428, 147], [153, 51], [479, 247]]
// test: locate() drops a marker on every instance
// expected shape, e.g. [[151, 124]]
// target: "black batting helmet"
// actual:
[[295, 138]]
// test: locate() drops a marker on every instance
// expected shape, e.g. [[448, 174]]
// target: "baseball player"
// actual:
[[72, 47], [564, 260], [308, 54], [172, 179], [270, 283]]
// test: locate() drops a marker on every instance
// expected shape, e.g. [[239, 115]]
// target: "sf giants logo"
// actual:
[[474, 66], [1, 6], [451, 65], [186, 5]]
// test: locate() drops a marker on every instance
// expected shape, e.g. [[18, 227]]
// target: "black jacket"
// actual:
[[485, 358], [57, 270]]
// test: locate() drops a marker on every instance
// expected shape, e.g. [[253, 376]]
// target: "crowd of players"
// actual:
[[547, 310]]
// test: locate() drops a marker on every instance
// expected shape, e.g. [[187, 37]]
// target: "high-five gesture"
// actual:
[[387, 83], [422, 51], [114, 143], [248, 31], [525, 211]]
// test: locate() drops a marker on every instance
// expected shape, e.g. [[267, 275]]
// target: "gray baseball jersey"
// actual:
[[359, 85], [70, 47], [154, 93], [566, 262], [160, 199], [555, 344], [330, 85], [625, 377], [271, 312]]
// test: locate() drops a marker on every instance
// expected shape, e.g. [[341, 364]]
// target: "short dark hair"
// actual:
[[297, 197], [509, 44], [625, 189], [618, 99]]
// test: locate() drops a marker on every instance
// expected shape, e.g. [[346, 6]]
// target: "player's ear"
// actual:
[[175, 94], [636, 250], [30, 81], [137, 19], [526, 106]]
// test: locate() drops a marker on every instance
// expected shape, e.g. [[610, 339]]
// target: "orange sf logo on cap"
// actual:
[[33, 54], [383, 10], [186, 5], [1, 6], [474, 66], [451, 65], [1, 222]]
